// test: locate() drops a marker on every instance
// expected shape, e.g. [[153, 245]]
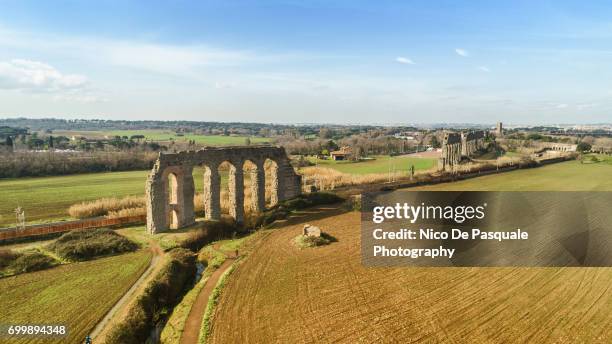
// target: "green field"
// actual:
[[76, 295], [167, 135], [566, 176], [381, 164], [47, 199]]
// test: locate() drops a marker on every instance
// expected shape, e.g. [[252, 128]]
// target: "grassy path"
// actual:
[[118, 310], [191, 332]]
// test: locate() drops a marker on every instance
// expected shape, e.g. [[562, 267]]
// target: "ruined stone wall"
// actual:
[[171, 205], [457, 145], [471, 142], [560, 147], [451, 151]]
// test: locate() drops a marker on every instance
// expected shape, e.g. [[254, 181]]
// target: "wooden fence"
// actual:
[[47, 229]]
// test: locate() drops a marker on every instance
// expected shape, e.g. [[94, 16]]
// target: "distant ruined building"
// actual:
[[499, 130], [458, 145], [170, 187], [556, 146]]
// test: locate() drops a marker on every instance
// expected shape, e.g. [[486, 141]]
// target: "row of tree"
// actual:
[[29, 164]]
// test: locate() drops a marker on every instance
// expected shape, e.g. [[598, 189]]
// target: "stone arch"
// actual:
[[172, 209], [255, 171], [273, 187], [170, 197], [235, 184], [212, 191], [284, 183]]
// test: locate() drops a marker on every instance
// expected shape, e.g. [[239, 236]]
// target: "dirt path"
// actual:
[[120, 308], [191, 332]]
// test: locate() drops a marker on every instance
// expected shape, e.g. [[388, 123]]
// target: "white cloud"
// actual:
[[462, 52], [37, 76], [404, 60], [221, 85], [41, 79], [484, 69], [167, 59], [561, 106]]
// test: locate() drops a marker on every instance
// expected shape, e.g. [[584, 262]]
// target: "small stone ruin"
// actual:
[[311, 231]]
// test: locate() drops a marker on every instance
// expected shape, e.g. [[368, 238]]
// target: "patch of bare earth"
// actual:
[[324, 294]]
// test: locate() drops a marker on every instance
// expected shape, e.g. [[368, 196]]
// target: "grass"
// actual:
[[566, 176], [173, 330], [303, 241], [174, 327], [213, 301], [76, 295], [380, 164], [168, 135], [48, 198]]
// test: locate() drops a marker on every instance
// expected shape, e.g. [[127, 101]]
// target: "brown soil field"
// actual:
[[283, 294]]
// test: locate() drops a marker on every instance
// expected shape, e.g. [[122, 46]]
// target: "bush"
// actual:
[[7, 257], [304, 241], [87, 244], [31, 262], [160, 296], [210, 231], [104, 206], [142, 211]]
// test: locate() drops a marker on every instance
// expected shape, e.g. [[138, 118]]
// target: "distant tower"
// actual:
[[499, 130]]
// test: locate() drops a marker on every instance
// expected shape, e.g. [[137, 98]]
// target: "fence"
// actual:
[[32, 231]]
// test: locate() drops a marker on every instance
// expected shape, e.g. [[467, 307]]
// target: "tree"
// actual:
[[583, 147], [137, 137], [434, 142], [50, 141], [325, 133], [247, 141]]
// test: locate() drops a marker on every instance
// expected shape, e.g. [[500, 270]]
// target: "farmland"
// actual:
[[381, 164], [284, 294], [566, 176], [76, 295], [47, 199], [167, 135]]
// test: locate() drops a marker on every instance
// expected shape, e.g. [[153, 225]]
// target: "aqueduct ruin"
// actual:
[[457, 145], [170, 187]]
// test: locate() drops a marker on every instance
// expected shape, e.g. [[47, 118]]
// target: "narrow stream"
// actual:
[[159, 327]]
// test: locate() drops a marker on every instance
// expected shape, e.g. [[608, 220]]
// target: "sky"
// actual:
[[346, 62]]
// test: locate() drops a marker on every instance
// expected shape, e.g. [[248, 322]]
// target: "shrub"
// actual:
[[7, 257], [159, 297], [127, 212], [104, 206], [31, 262], [87, 244], [210, 231], [304, 241]]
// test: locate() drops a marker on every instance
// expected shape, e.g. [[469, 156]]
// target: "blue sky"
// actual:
[[301, 62]]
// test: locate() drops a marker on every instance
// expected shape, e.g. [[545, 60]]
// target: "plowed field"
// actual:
[[284, 294]]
